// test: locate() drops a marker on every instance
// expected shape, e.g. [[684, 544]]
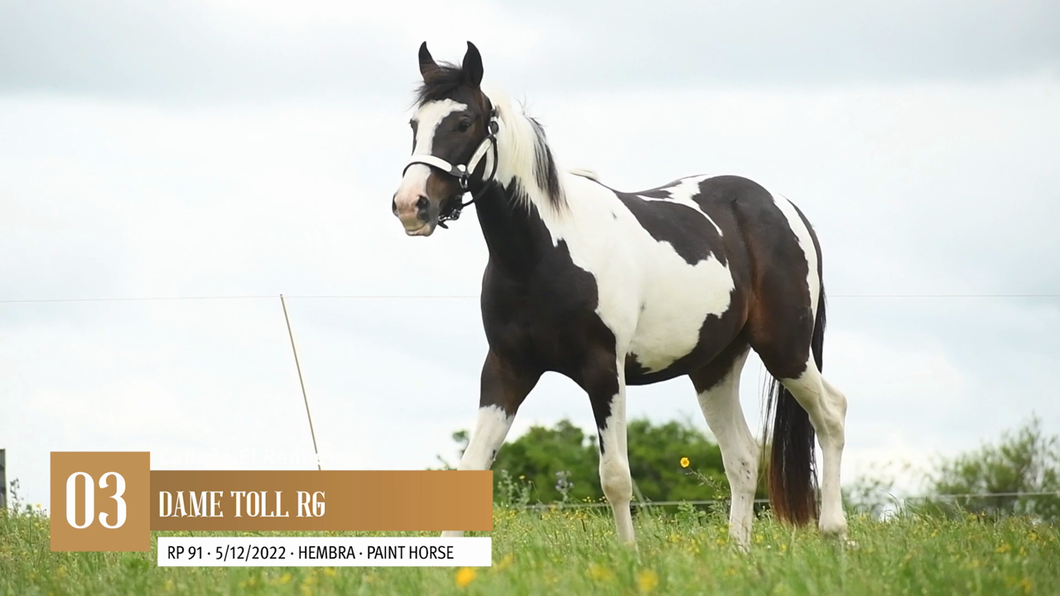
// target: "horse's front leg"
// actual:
[[604, 380], [504, 386]]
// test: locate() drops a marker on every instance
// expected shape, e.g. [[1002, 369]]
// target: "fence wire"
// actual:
[[946, 497], [435, 297]]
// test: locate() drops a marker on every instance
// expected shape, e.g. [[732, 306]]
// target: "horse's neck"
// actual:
[[511, 212], [513, 232]]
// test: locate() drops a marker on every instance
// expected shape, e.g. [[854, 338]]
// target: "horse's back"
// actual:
[[751, 221], [676, 266]]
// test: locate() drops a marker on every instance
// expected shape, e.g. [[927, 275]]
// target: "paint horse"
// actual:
[[613, 288]]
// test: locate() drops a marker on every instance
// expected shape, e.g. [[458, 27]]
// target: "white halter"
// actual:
[[462, 172]]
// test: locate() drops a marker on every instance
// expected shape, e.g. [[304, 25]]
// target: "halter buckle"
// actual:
[[464, 177]]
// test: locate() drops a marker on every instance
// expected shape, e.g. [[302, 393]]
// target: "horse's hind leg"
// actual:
[[827, 408], [718, 388], [790, 345], [833, 519], [785, 325]]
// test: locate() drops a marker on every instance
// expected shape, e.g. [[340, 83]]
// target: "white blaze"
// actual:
[[427, 118]]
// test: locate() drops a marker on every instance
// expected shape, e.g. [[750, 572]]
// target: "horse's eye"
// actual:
[[464, 125]]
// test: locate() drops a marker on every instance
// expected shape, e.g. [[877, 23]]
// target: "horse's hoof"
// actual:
[[834, 528]]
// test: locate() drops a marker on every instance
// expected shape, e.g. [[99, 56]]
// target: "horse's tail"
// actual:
[[792, 479]]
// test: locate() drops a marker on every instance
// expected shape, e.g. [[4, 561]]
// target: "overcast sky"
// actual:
[[250, 148]]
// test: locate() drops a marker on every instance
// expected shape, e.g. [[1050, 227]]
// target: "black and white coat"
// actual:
[[615, 288]]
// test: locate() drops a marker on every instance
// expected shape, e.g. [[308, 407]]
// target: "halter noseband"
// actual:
[[462, 172]]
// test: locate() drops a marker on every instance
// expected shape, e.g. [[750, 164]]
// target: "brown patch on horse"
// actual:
[[781, 328], [505, 384]]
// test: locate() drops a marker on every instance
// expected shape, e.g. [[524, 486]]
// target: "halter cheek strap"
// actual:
[[462, 172]]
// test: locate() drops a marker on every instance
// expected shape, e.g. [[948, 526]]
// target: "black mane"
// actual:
[[441, 84], [545, 172]]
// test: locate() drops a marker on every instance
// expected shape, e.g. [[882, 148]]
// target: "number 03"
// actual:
[[90, 504]]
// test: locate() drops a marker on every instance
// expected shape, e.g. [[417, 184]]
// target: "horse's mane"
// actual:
[[525, 142]]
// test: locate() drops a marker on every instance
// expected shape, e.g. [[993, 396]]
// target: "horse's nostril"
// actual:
[[393, 205], [422, 203]]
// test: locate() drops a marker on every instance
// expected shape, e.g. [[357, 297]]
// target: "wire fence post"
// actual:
[[3, 478], [298, 367]]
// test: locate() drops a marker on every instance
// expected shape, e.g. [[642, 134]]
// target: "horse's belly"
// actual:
[[676, 303]]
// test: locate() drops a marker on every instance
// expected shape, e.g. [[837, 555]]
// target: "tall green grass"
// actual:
[[574, 552]]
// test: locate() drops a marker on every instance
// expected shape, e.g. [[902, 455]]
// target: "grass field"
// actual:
[[574, 552]]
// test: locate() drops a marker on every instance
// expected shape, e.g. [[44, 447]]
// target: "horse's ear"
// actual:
[[428, 67], [472, 66]]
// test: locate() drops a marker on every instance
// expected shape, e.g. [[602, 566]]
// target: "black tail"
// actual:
[[792, 477]]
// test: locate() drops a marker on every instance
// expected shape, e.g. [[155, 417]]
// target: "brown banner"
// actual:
[[111, 501], [397, 501]]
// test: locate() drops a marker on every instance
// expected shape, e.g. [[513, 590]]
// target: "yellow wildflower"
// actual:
[[599, 573], [465, 576], [684, 462], [647, 580], [504, 563]]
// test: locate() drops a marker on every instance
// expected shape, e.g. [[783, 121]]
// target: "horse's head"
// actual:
[[452, 131]]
